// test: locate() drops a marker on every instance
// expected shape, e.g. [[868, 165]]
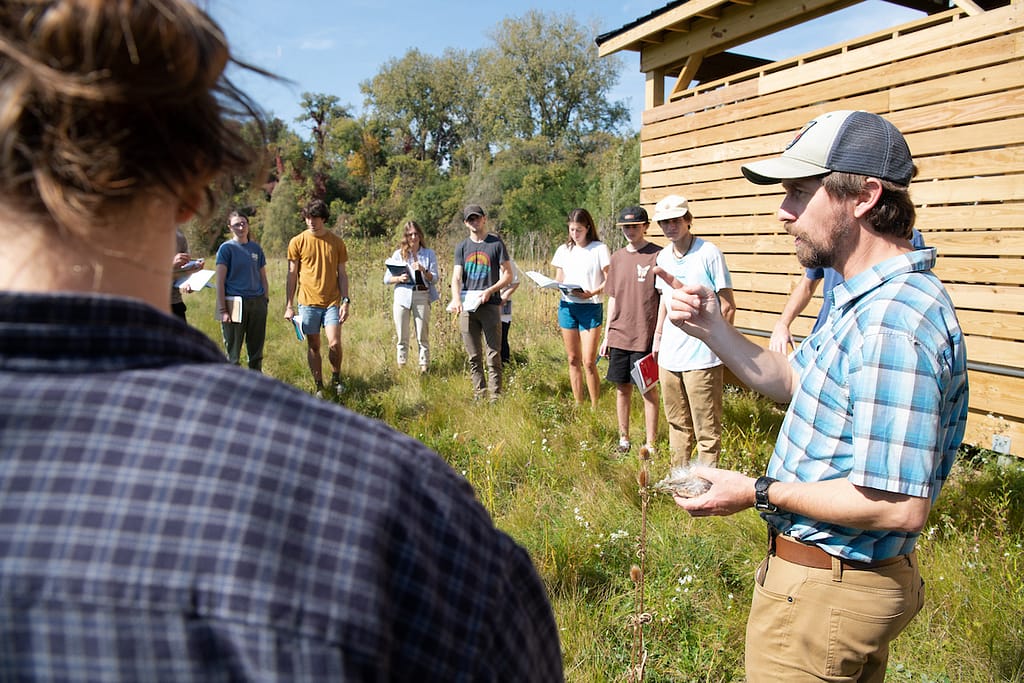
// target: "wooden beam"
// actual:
[[629, 40], [738, 25], [654, 89], [678, 28], [972, 8], [686, 74]]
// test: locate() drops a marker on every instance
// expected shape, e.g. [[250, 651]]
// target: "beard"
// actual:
[[822, 254]]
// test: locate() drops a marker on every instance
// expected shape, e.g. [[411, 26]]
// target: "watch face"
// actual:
[[761, 494]]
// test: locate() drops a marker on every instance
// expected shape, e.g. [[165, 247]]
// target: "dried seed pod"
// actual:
[[635, 574], [682, 482], [641, 477]]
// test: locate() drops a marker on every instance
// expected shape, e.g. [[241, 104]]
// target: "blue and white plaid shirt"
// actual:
[[882, 400], [166, 516]]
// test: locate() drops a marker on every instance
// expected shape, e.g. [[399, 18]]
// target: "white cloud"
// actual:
[[317, 44]]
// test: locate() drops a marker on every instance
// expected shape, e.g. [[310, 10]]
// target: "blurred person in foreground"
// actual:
[[165, 516], [877, 409]]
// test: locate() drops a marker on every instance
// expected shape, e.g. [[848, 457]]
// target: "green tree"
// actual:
[[544, 78], [321, 112], [543, 199], [427, 103], [365, 153], [616, 180], [282, 219]]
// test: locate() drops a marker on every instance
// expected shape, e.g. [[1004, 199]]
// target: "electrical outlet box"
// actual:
[[1001, 444]]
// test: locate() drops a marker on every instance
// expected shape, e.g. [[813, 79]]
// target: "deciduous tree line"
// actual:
[[524, 126]]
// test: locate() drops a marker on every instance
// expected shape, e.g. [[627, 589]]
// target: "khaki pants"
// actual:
[[419, 316], [693, 410], [828, 624]]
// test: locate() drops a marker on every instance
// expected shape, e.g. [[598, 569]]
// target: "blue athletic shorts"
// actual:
[[315, 317], [579, 316]]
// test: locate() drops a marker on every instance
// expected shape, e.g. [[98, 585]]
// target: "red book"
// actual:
[[645, 373]]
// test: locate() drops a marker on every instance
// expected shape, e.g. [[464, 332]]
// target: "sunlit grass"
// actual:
[[548, 473]]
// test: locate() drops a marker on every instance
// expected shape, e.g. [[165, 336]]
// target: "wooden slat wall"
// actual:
[[954, 85]]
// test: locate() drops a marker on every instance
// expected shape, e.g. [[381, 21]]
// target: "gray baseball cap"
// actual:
[[848, 141]]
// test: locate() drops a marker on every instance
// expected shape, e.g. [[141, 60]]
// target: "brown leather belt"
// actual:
[[814, 557]]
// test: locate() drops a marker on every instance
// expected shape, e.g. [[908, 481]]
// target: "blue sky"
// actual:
[[330, 46]]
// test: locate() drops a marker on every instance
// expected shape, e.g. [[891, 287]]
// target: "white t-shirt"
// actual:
[[704, 265], [583, 266]]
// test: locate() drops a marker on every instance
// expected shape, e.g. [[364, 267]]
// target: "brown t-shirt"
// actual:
[[631, 281], [319, 259]]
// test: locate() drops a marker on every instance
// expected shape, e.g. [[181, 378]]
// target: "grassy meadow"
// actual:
[[548, 473]]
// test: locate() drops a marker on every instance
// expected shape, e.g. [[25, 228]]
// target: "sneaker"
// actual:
[[423, 369], [319, 391], [624, 445], [337, 383]]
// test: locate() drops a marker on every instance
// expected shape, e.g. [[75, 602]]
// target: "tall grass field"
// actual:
[[548, 472]]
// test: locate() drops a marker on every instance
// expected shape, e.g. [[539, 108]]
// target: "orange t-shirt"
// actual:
[[319, 259]]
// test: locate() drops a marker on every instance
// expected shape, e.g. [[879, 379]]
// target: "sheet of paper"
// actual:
[[197, 280]]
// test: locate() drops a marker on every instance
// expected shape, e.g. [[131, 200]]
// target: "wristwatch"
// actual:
[[345, 299], [761, 501]]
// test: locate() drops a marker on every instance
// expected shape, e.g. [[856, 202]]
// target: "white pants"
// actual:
[[420, 314]]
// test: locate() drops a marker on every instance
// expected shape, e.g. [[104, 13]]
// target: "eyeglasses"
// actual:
[[412, 234], [239, 224]]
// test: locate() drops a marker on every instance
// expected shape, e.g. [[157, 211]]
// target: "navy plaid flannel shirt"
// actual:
[[165, 516]]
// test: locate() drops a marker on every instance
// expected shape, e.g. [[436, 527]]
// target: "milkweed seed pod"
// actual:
[[682, 482]]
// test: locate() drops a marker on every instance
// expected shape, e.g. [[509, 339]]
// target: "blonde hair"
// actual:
[[101, 100]]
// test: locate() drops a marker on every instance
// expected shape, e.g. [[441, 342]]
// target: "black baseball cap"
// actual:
[[632, 215]]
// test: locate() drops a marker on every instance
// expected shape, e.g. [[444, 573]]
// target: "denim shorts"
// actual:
[[579, 316], [315, 317]]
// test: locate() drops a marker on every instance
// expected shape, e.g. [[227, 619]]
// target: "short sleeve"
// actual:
[[896, 402]]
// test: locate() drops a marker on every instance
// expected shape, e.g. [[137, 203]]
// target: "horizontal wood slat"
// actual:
[[954, 84]]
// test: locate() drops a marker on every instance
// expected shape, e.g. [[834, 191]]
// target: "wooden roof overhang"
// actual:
[[690, 40]]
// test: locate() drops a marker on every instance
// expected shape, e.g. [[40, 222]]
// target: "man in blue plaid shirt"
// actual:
[[164, 515], [877, 408]]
